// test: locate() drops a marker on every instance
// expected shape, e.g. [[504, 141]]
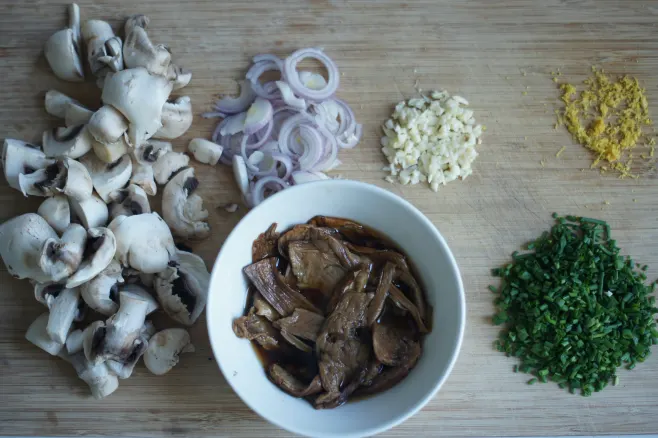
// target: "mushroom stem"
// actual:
[[92, 211], [38, 335], [101, 382], [101, 293], [74, 341], [62, 313], [56, 211], [205, 151]]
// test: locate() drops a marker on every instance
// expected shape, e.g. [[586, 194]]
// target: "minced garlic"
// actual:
[[608, 118]]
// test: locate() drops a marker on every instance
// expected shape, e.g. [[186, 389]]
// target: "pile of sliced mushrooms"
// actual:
[[94, 241]]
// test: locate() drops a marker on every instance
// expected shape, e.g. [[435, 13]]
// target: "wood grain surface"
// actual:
[[488, 51]]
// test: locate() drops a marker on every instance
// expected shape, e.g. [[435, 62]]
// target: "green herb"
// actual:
[[573, 309]]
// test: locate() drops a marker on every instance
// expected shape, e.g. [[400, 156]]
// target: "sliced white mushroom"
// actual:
[[62, 314], [38, 335], [19, 157], [168, 164], [151, 150], [182, 209], [108, 125], [182, 288], [121, 337], [66, 176], [62, 49], [143, 177], [104, 49], [205, 151], [77, 115], [164, 349], [72, 142], [139, 96], [92, 212], [176, 118], [99, 378], [74, 341], [60, 258], [99, 252], [144, 242], [142, 293], [139, 51], [101, 293], [57, 103], [129, 201], [108, 178], [179, 76], [21, 242], [56, 212]]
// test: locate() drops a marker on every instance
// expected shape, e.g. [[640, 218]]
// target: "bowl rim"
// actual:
[[392, 422]]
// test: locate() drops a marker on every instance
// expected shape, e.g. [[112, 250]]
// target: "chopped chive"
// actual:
[[532, 381]]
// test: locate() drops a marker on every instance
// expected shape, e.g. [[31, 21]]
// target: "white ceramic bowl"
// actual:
[[435, 265]]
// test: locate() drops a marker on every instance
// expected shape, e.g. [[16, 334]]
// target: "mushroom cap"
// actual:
[[176, 118], [92, 211], [144, 294], [99, 252], [108, 178], [62, 53], [182, 209], [56, 211], [21, 241], [182, 288], [129, 201], [139, 51], [144, 242], [101, 293], [19, 157], [104, 51], [164, 349], [108, 125], [71, 141], [139, 96], [60, 258]]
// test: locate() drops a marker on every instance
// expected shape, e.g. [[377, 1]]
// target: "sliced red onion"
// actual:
[[213, 115], [258, 115], [353, 138], [311, 80], [234, 124], [234, 105], [331, 151], [301, 177], [266, 57], [271, 183], [289, 97], [286, 163], [290, 74], [287, 130], [313, 147], [256, 71], [271, 146]]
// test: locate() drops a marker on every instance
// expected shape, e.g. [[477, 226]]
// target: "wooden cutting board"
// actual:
[[497, 54]]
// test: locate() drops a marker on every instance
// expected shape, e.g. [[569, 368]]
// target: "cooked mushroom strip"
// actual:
[[167, 165], [60, 258], [129, 201], [385, 282], [62, 49], [353, 232], [72, 141], [91, 212], [290, 384], [404, 276], [121, 338], [37, 334], [144, 242], [108, 178], [98, 254], [182, 209], [104, 49], [143, 294], [21, 242], [56, 212], [388, 378], [302, 232], [176, 118], [205, 151], [379, 257], [182, 288], [101, 382], [267, 279], [258, 329], [393, 344], [164, 349], [400, 299], [62, 313], [101, 293], [19, 157], [265, 245], [355, 281], [302, 324], [65, 176], [139, 96], [263, 308]]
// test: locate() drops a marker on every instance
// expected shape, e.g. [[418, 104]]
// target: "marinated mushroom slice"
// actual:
[[258, 329], [182, 208], [404, 303], [355, 281], [21, 243], [394, 344], [267, 279], [263, 308], [302, 324], [265, 245], [182, 288], [291, 384], [302, 232], [351, 231], [403, 277], [165, 348], [101, 293], [129, 201], [99, 252], [144, 242], [385, 282]]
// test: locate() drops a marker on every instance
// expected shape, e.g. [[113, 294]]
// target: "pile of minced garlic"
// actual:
[[610, 118], [431, 139]]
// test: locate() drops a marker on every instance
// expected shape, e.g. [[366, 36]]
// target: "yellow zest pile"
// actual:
[[610, 118]]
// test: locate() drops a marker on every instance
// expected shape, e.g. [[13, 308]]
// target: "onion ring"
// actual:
[[292, 77]]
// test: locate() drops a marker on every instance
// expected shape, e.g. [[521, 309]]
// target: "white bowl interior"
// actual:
[[434, 264]]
